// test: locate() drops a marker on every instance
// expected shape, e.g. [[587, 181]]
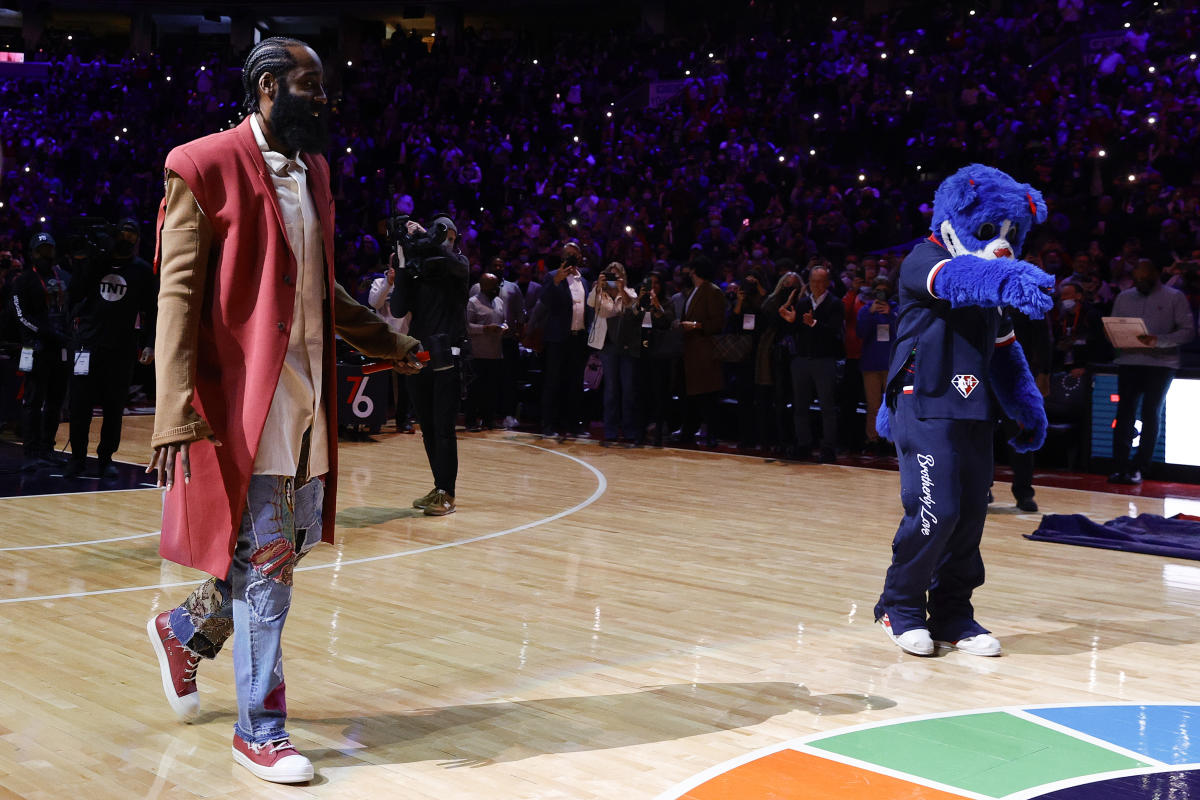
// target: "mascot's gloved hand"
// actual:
[[969, 280], [1014, 387], [883, 422]]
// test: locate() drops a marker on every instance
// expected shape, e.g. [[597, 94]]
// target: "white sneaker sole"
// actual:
[[910, 650], [187, 708], [989, 653], [302, 773]]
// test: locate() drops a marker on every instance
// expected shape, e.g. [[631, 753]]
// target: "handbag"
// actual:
[[593, 373], [733, 348]]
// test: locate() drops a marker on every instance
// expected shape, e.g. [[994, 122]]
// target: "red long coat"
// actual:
[[245, 322]]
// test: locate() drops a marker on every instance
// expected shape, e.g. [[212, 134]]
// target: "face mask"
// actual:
[[1068, 304]]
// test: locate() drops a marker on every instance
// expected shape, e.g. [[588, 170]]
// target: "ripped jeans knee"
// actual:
[[269, 585]]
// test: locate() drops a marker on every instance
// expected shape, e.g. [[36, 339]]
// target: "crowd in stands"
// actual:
[[789, 147]]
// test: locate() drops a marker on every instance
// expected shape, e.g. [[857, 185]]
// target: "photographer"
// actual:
[[37, 305], [661, 348], [431, 284], [566, 316], [109, 289], [616, 333]]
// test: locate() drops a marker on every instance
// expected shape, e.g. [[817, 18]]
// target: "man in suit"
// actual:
[[246, 411], [565, 326], [703, 318], [817, 322]]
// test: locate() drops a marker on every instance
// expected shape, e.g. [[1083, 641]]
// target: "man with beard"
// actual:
[[1144, 374], [37, 309], [108, 295], [246, 389]]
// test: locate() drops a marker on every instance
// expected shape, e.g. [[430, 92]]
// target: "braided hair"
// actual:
[[270, 55]]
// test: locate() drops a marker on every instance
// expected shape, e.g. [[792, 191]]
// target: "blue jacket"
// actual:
[[875, 353], [942, 355]]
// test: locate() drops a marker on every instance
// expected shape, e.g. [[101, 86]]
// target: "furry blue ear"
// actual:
[[1037, 202], [953, 196]]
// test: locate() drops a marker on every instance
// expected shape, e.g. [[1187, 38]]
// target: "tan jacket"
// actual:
[[181, 300]]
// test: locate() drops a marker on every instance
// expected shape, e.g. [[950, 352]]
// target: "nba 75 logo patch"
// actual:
[[965, 384]]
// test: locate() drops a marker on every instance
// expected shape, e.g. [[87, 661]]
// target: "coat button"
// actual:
[[287, 279], [281, 325]]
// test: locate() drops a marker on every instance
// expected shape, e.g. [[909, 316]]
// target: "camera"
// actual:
[[881, 295], [611, 276], [414, 247], [645, 301], [90, 237]]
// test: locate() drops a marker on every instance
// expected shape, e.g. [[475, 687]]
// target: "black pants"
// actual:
[[654, 394], [562, 384], [1149, 385], [484, 392], [510, 374], [1020, 463], [42, 401], [106, 385], [435, 397]]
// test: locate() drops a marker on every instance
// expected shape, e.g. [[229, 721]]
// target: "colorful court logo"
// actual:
[[1093, 752]]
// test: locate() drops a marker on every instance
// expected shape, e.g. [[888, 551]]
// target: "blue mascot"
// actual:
[[954, 349]]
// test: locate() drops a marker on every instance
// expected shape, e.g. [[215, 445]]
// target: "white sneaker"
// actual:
[[983, 644], [916, 642], [510, 423]]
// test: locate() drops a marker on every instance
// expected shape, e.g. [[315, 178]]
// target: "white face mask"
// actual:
[[996, 248], [1068, 304]]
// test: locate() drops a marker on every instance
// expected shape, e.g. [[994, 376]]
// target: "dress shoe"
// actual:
[[1027, 504], [1126, 478]]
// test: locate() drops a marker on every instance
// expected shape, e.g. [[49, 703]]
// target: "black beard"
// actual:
[[293, 123]]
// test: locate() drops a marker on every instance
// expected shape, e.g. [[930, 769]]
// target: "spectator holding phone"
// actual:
[[876, 328]]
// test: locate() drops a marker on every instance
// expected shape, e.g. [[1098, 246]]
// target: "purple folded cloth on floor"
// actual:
[[1177, 537]]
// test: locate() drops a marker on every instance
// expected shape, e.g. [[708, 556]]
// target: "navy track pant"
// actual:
[[945, 472]]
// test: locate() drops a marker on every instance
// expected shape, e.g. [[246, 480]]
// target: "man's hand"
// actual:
[[391, 276], [1148, 339], [809, 320], [163, 461], [146, 356], [409, 365], [414, 228]]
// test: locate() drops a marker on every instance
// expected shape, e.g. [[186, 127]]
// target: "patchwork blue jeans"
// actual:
[[252, 604]]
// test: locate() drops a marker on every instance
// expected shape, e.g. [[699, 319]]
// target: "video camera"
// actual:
[[90, 237], [414, 248]]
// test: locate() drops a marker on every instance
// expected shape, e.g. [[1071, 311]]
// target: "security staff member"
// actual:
[[110, 294], [36, 305], [434, 289]]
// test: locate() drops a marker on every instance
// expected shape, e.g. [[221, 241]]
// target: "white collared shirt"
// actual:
[[578, 301], [297, 403]]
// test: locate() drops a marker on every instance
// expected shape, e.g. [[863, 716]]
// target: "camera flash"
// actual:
[[816, 115], [782, 159], [862, 177], [1102, 153], [574, 222], [1132, 178], [629, 229]]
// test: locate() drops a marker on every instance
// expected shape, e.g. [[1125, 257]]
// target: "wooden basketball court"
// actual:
[[592, 623]]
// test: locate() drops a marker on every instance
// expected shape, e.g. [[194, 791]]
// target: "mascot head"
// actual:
[[981, 211]]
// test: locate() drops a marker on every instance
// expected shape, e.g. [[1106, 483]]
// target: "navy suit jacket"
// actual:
[[556, 300]]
